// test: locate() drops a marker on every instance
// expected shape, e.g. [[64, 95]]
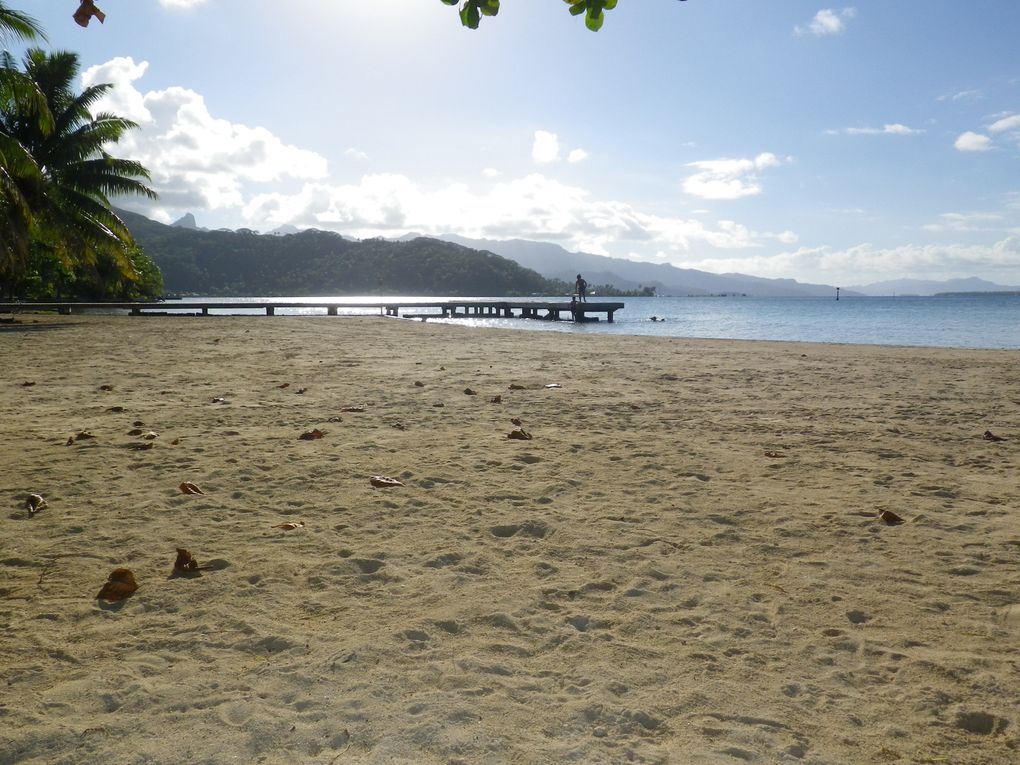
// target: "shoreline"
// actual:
[[684, 564], [562, 327], [923, 322]]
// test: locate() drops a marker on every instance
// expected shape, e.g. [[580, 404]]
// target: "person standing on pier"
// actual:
[[581, 287]]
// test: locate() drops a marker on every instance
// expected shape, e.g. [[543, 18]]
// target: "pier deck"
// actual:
[[455, 309]]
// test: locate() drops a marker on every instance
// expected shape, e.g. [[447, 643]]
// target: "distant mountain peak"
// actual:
[[186, 221]]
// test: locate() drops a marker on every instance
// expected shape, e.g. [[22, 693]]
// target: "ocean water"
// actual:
[[952, 321]]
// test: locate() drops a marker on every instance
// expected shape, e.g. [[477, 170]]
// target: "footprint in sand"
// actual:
[[535, 529]]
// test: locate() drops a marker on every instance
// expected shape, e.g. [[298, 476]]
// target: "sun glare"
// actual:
[[375, 21]]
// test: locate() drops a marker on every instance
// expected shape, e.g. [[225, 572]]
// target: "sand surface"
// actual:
[[640, 582]]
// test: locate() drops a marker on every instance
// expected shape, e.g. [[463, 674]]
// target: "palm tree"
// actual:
[[69, 195], [16, 164]]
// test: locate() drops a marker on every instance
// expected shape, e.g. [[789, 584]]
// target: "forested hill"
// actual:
[[242, 263]]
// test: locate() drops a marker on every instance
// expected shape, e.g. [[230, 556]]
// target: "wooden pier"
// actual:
[[442, 309]]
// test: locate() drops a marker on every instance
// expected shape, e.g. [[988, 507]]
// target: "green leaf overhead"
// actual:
[[594, 11]]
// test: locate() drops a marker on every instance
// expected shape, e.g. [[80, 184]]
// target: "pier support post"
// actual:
[[270, 310], [331, 310]]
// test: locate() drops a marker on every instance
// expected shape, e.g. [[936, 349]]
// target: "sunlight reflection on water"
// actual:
[[963, 321]]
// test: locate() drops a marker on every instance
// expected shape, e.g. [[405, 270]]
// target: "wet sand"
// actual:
[[685, 564]]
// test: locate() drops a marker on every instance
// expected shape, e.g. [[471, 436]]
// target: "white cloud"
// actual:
[[826, 22], [866, 263], [546, 147], [200, 162], [728, 178], [180, 3], [971, 141], [356, 154], [893, 129], [962, 95], [532, 207], [1010, 122], [195, 159], [959, 222]]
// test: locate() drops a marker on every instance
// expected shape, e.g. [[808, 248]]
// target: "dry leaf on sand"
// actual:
[[35, 503], [990, 436], [189, 488], [311, 435], [358, 408], [470, 392], [775, 455], [106, 387], [83, 435], [284, 385], [515, 386], [519, 434], [289, 525], [516, 421], [384, 482], [120, 585], [890, 518], [187, 565], [496, 400]]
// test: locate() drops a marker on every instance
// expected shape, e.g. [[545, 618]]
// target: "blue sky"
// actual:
[[833, 143]]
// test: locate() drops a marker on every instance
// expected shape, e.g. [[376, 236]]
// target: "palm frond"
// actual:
[[18, 25]]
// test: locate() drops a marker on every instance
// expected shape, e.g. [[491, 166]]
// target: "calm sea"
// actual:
[[954, 321]]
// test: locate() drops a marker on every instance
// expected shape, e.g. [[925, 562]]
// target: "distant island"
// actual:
[[989, 293]]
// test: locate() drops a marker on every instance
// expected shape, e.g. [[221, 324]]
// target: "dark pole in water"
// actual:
[[837, 293]]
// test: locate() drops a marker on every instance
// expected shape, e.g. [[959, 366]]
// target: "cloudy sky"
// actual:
[[839, 144]]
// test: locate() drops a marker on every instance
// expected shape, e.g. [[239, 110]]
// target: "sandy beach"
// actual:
[[685, 564]]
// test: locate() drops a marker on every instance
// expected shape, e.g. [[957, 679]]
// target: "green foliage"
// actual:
[[58, 232], [471, 11], [18, 25], [48, 276], [608, 290]]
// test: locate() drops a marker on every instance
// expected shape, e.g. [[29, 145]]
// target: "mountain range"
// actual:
[[554, 262], [557, 263]]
